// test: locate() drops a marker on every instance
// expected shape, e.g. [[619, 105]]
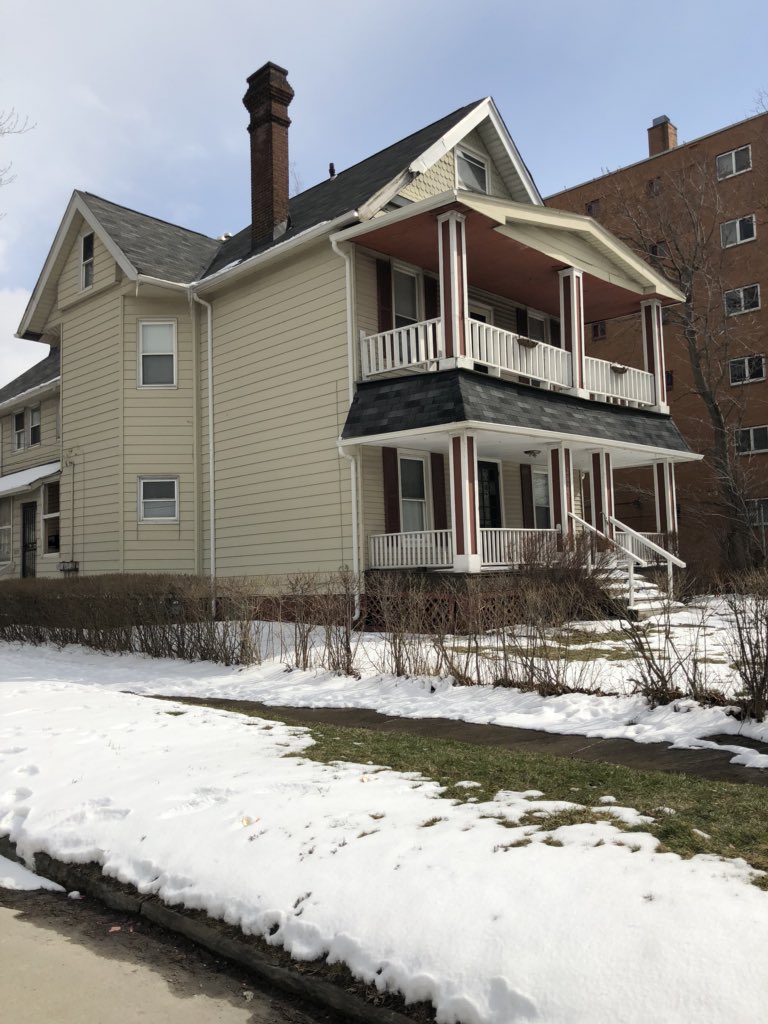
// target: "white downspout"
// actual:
[[211, 450], [349, 268]]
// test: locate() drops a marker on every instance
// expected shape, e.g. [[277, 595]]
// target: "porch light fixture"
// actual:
[[532, 453]]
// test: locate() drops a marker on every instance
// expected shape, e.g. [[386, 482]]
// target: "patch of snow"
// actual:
[[16, 876]]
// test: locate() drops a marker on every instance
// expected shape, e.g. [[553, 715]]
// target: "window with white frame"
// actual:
[[51, 518], [758, 511], [158, 499], [413, 494], [86, 265], [746, 369], [6, 513], [752, 439], [736, 161], [34, 426], [542, 515], [19, 430], [405, 297], [742, 300], [157, 353], [734, 232], [471, 171]]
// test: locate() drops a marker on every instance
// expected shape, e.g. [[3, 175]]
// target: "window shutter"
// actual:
[[554, 332], [431, 298], [437, 467], [522, 322], [526, 490], [391, 490], [384, 298]]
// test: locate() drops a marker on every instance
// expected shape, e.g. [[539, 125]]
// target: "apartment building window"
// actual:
[[413, 494], [157, 353], [742, 300], [34, 426], [19, 430], [669, 378], [658, 250], [734, 232], [736, 161], [405, 297], [471, 171], [51, 518], [5, 530], [158, 500], [758, 511], [592, 208], [746, 369], [752, 439], [653, 187], [86, 269]]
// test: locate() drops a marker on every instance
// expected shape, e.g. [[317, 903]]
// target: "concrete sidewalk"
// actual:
[[708, 764]]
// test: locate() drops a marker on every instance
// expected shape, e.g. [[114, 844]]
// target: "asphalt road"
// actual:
[[73, 961]]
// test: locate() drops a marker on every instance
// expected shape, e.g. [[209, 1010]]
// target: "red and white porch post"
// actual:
[[466, 533], [666, 496], [572, 324], [561, 477], [653, 349], [601, 491], [452, 253]]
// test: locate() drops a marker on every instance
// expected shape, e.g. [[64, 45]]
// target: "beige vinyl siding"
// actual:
[[512, 495], [105, 272], [158, 438], [366, 292], [441, 177], [504, 310], [372, 496], [283, 496], [49, 449], [90, 523]]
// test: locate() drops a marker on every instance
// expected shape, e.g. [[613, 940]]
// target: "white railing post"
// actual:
[[653, 349], [572, 323]]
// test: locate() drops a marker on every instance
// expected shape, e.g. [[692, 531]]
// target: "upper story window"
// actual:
[[746, 369], [157, 353], [734, 162], [742, 300], [158, 500], [5, 530], [19, 431], [471, 171], [758, 511], [592, 208], [537, 326], [34, 426], [734, 232], [599, 331], [405, 297], [653, 187], [752, 439], [659, 250], [86, 269]]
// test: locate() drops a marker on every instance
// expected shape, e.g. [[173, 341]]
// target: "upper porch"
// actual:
[[506, 289]]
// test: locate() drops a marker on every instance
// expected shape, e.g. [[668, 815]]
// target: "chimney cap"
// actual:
[[660, 120]]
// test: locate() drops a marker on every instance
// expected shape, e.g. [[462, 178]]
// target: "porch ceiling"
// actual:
[[522, 268]]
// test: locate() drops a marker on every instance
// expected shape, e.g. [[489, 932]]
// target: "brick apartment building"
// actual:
[[697, 211]]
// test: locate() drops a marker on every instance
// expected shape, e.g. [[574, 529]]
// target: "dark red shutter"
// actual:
[[431, 298], [437, 467], [384, 297], [391, 490], [554, 332], [526, 489], [522, 322]]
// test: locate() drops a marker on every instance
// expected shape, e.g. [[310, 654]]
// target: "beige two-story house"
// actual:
[[387, 370]]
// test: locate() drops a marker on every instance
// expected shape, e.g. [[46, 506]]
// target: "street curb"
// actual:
[[88, 879]]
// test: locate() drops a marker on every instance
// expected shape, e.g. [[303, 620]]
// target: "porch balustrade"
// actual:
[[425, 549], [415, 345], [502, 547], [516, 354], [609, 380]]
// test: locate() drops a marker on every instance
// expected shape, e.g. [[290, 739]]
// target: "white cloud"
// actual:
[[15, 356]]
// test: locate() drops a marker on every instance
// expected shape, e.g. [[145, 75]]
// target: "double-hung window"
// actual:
[[541, 508], [537, 326], [158, 499], [157, 354], [51, 518], [405, 295], [86, 265], [34, 426], [736, 161], [746, 369], [5, 530], [413, 494], [19, 431], [758, 511], [742, 300], [752, 439], [734, 232], [471, 171]]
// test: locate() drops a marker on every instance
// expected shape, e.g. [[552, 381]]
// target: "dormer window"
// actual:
[[471, 171], [86, 270]]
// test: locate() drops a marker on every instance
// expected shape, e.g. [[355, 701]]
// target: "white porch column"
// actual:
[[466, 519], [666, 496], [572, 323], [601, 491], [452, 250], [561, 478], [653, 349]]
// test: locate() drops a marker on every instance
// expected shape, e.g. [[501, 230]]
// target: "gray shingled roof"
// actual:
[[455, 396], [155, 247], [41, 373]]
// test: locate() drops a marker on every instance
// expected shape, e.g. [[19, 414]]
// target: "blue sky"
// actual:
[[142, 103]]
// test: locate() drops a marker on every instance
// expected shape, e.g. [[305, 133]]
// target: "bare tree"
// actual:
[[11, 123]]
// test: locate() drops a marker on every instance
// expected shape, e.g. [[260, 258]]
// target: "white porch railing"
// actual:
[[609, 380], [639, 545], [426, 549], [415, 345], [518, 547], [516, 354]]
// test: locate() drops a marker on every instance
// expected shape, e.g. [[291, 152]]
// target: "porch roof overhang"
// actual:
[[414, 409], [516, 249], [27, 479]]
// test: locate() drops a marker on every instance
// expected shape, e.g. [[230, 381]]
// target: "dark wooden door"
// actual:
[[29, 539], [489, 495]]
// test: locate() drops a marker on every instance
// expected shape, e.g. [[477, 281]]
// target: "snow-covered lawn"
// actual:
[[372, 867]]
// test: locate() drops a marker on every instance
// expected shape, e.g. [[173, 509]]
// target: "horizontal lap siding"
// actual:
[[49, 448], [280, 373], [104, 273]]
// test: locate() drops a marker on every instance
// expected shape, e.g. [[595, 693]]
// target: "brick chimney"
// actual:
[[662, 135], [267, 102]]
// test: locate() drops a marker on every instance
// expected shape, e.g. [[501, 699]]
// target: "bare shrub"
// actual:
[[339, 611], [399, 607], [747, 637]]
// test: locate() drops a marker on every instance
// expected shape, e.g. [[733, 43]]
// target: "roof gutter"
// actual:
[[26, 396]]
